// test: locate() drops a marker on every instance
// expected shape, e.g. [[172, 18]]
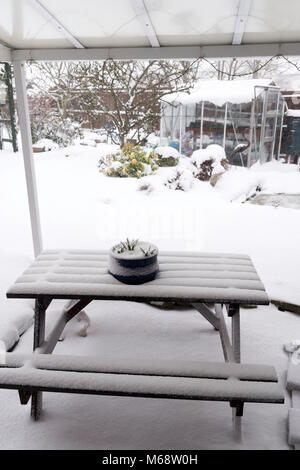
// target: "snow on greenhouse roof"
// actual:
[[68, 29], [220, 91]]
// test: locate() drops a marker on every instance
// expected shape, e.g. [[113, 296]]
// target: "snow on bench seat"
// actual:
[[179, 368], [190, 276], [208, 381]]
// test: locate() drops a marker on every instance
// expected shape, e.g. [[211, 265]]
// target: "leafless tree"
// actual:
[[57, 82], [128, 93]]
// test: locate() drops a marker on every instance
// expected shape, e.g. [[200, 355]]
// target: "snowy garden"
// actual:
[[149, 252], [83, 206]]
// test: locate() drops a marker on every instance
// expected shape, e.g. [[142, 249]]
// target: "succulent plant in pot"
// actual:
[[133, 261]]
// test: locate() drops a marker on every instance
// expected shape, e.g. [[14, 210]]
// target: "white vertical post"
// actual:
[[24, 122], [281, 128], [251, 134], [201, 125], [161, 124], [180, 129], [225, 125]]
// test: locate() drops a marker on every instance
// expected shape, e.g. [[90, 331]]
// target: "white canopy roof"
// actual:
[[148, 28]]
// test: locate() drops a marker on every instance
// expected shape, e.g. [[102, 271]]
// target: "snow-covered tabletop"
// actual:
[[188, 276]]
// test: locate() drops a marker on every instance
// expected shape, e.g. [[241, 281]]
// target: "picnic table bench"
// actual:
[[211, 282]]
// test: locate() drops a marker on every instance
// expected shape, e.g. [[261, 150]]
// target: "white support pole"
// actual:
[[57, 24], [180, 130], [281, 129], [252, 125], [24, 121], [159, 53], [201, 125], [225, 124], [241, 21], [142, 14]]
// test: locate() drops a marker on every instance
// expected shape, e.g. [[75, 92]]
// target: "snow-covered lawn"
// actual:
[[81, 208]]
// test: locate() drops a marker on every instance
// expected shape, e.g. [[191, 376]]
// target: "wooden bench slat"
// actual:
[[158, 380], [178, 368], [31, 379]]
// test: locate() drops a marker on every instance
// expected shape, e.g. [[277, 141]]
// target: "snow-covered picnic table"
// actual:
[[184, 276], [208, 281]]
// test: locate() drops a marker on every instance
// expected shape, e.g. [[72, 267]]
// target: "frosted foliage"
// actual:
[[181, 179], [208, 162], [63, 132]]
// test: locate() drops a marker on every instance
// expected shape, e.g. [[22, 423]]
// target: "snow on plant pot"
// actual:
[[133, 261]]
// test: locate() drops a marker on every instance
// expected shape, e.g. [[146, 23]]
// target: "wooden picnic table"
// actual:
[[210, 282]]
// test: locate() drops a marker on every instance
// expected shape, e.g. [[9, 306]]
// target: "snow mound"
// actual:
[[89, 142], [166, 151], [275, 166], [238, 184], [153, 139], [47, 144]]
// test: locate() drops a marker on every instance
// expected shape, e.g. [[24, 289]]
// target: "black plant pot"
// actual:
[[134, 267]]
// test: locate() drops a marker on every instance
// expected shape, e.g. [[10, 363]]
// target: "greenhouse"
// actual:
[[244, 116]]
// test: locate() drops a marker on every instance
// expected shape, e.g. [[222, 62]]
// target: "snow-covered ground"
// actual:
[[81, 208]]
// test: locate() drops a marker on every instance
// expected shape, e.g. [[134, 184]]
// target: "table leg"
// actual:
[[38, 338], [236, 333], [237, 408]]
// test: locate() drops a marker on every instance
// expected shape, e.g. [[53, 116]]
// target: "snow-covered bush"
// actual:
[[62, 131], [181, 179], [167, 156], [209, 162], [58, 130], [130, 161]]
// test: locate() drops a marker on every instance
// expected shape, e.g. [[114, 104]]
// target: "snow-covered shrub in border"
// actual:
[[209, 162], [181, 179], [131, 161], [167, 156], [61, 131]]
